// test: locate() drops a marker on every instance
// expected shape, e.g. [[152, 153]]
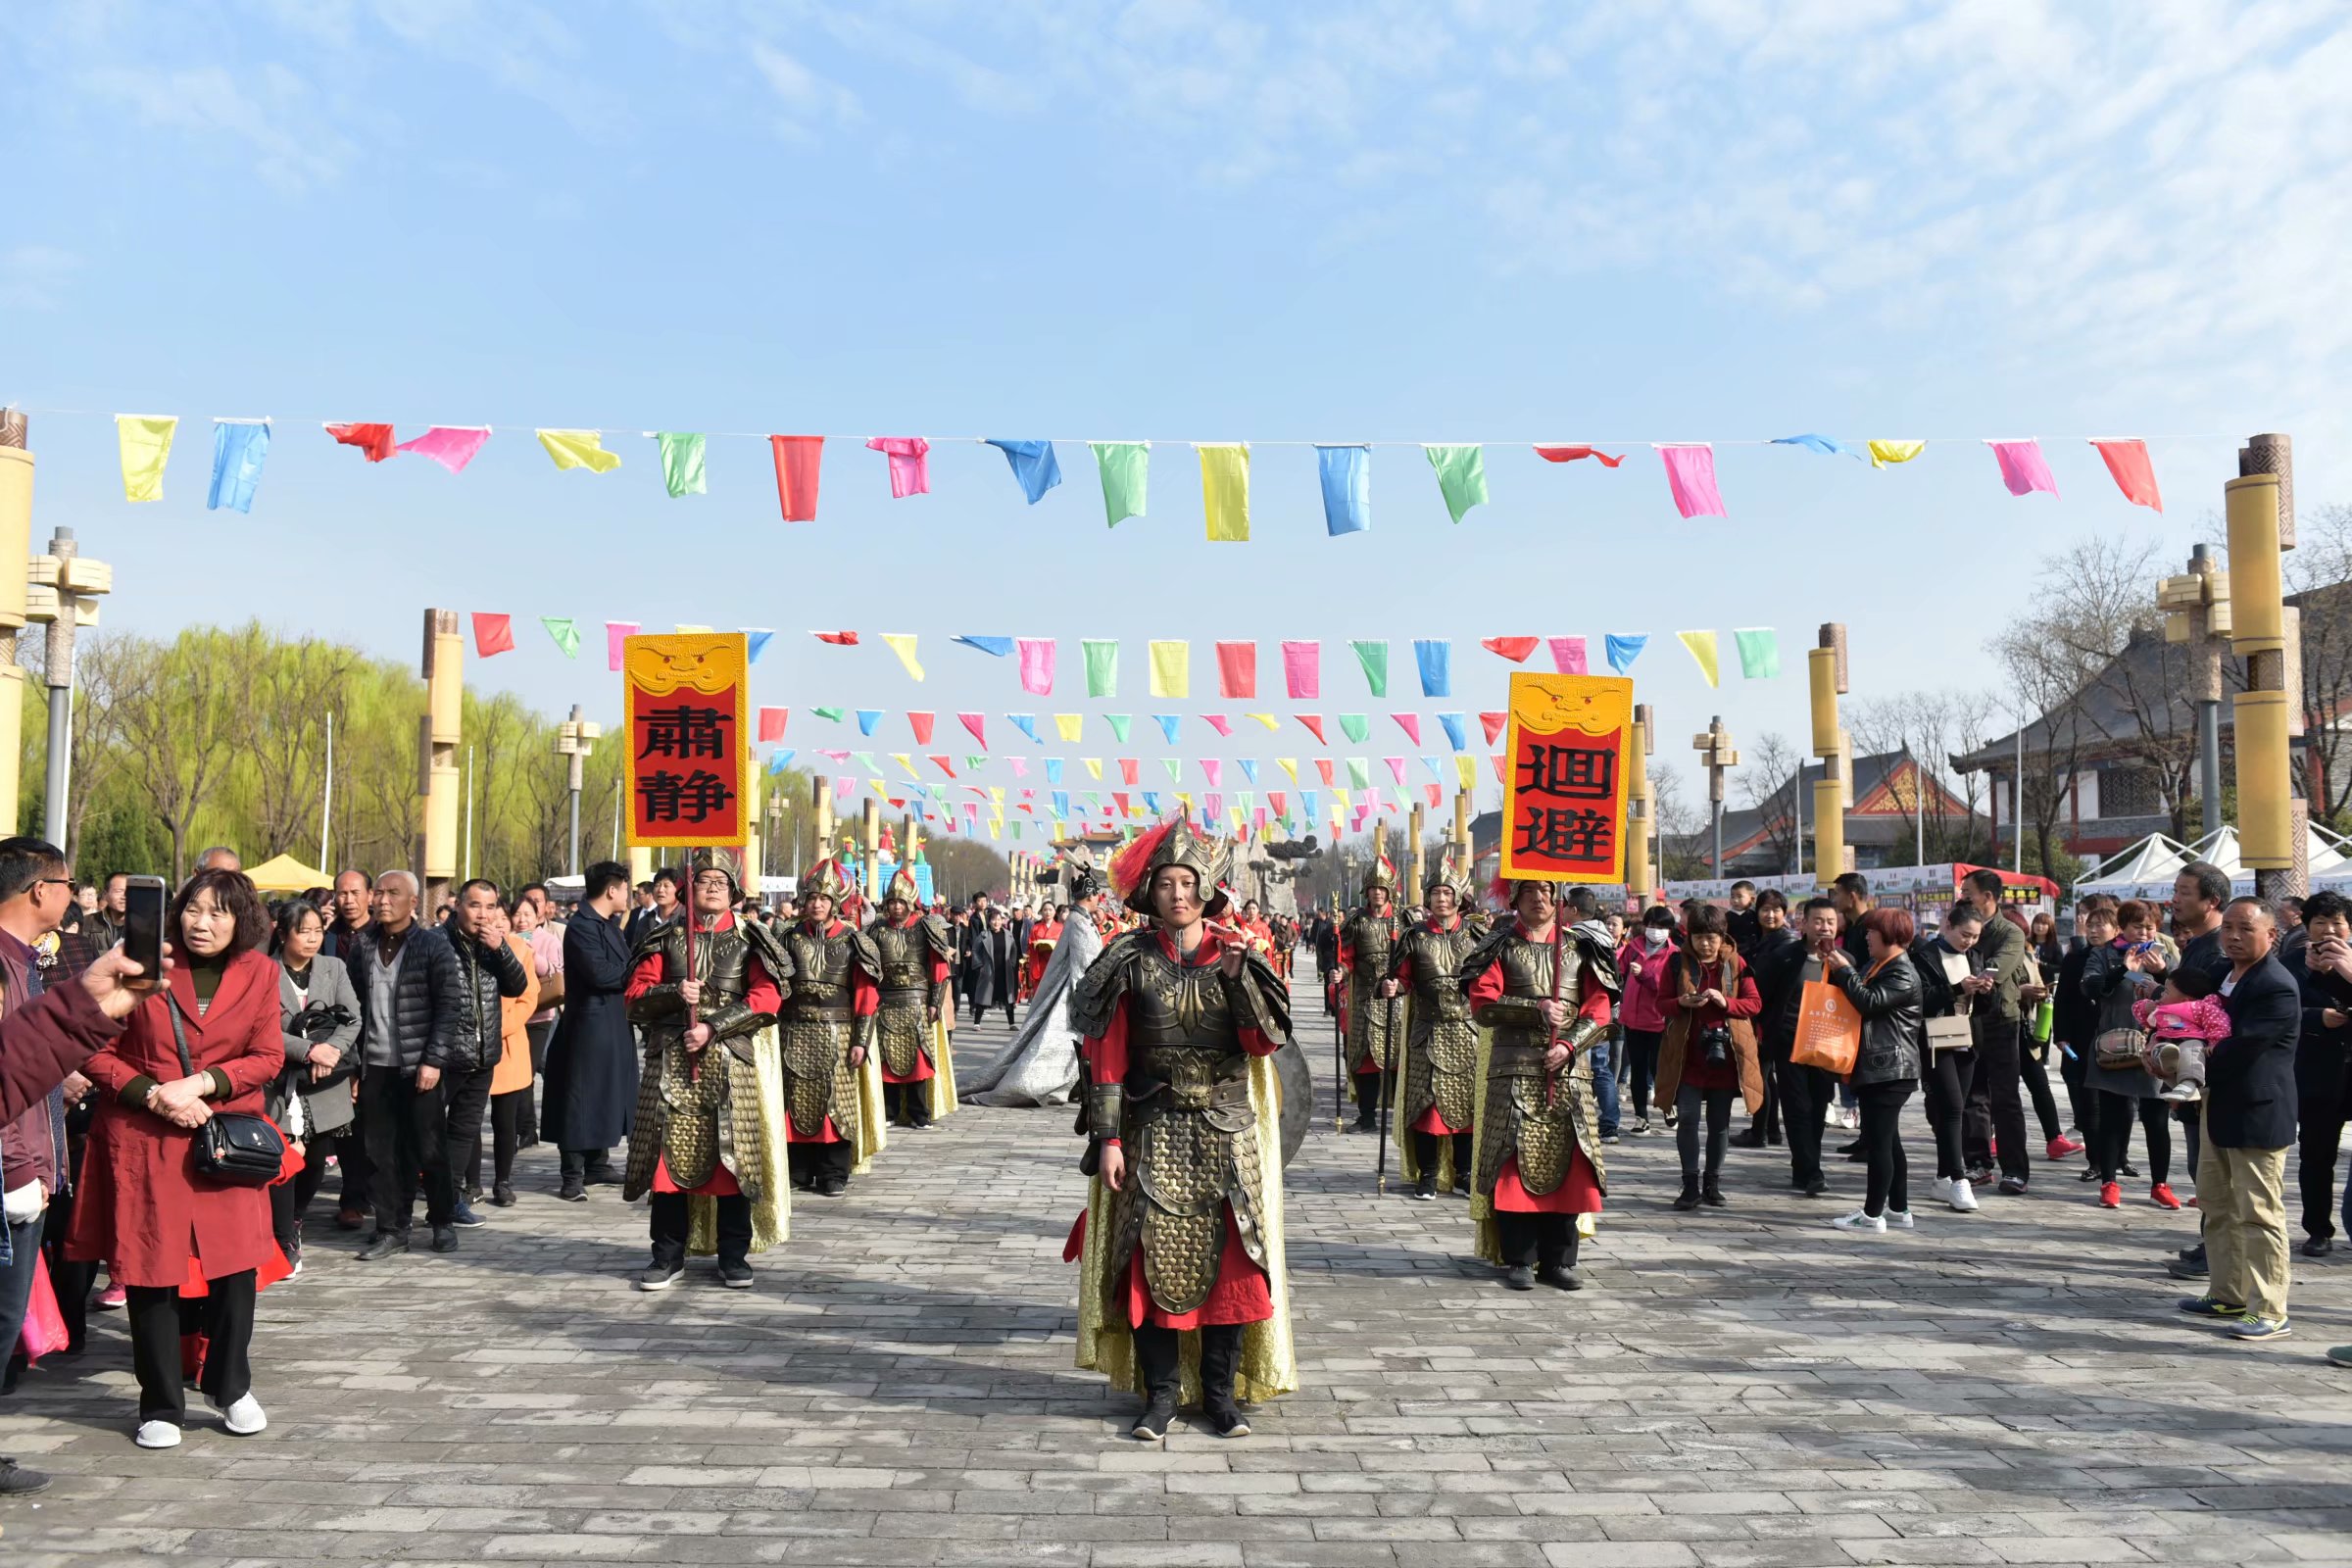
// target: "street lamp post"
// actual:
[[575, 738], [63, 588]]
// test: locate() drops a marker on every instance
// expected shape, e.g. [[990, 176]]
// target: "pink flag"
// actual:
[[1568, 655], [1323, 766], [1410, 724], [1237, 669], [618, 632], [799, 457], [1435, 795], [1037, 664], [1690, 474], [1514, 649], [1127, 770], [1213, 770], [1213, 805], [452, 446], [1280, 800], [842, 786], [910, 463], [977, 723], [1217, 721], [1021, 768], [1395, 766], [771, 722], [2024, 470], [1497, 759], [921, 725], [492, 634], [2128, 460], [1303, 668], [1491, 723]]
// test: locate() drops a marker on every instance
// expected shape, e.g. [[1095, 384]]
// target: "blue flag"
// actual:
[[1436, 657], [1053, 769], [868, 718], [1455, 731], [1026, 723], [778, 761], [1061, 803], [1623, 651], [237, 454], [1248, 767], [1169, 724], [1306, 803], [1033, 465], [1000, 646], [1347, 488], [1826, 446], [754, 641]]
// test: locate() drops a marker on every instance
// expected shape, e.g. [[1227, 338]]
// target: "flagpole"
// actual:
[[326, 796]]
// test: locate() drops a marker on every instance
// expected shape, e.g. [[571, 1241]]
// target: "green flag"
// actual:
[[1118, 723], [833, 713], [567, 633], [1101, 666], [683, 462], [1461, 476], [1123, 465], [1354, 726], [974, 763], [1360, 773], [1175, 767], [1759, 653], [1374, 657]]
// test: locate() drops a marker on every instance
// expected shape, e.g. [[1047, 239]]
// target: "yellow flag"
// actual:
[[1289, 765], [579, 449], [1094, 767], [690, 630], [1225, 490], [1267, 719], [1069, 725], [1236, 813], [1466, 767], [1171, 669], [146, 441], [1883, 452], [1186, 800], [996, 793], [901, 643], [1703, 648], [905, 760], [879, 788], [992, 829], [1340, 795]]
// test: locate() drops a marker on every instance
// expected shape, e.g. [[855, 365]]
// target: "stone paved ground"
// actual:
[[1739, 1388]]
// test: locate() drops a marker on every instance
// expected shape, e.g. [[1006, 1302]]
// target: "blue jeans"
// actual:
[[1604, 1052]]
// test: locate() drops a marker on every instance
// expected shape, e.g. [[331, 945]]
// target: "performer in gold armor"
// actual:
[[913, 950], [827, 1024], [704, 989], [1439, 1090], [1367, 943], [1541, 991], [1183, 1238]]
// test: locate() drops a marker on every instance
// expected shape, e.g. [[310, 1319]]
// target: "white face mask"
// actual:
[[1653, 936]]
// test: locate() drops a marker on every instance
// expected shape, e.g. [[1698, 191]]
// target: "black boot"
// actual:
[[1425, 1156], [1689, 1199], [1156, 1360], [1556, 1256], [1220, 1359], [1461, 1164], [1711, 1193]]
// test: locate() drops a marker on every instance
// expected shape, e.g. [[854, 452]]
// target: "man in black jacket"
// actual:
[[406, 975], [2322, 966], [1782, 969], [590, 1102], [487, 970], [2249, 1120]]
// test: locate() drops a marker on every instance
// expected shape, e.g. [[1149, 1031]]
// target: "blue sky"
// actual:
[[1178, 221]]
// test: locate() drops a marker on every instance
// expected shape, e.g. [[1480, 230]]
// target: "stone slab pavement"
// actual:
[[1743, 1386]]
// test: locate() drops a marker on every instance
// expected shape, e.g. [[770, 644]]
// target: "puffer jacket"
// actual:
[[427, 998], [1889, 1001], [485, 975]]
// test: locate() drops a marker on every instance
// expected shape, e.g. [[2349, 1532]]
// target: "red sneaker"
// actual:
[[2060, 1147], [2111, 1195], [2161, 1194], [112, 1299]]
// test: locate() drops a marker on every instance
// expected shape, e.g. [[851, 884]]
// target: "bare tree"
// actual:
[[1768, 780], [188, 719], [1685, 845], [2319, 577]]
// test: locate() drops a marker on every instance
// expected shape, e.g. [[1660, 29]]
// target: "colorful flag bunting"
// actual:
[[566, 631], [1691, 476], [921, 725], [145, 443], [618, 632], [1237, 669], [995, 647], [1302, 670], [1465, 770], [1323, 765], [1461, 476], [1453, 730], [1703, 648], [2024, 470], [754, 641], [1172, 667], [579, 449], [1315, 726], [1435, 655], [867, 720], [839, 639], [1026, 723], [1119, 724], [2128, 460], [910, 463], [1826, 446], [1373, 656], [682, 453], [1101, 666], [1568, 655], [1093, 766], [373, 440], [1268, 719], [1346, 489], [1037, 664], [901, 643], [1759, 653], [1069, 726], [831, 716], [944, 767], [1493, 724], [1225, 490], [239, 448], [1123, 467], [1127, 770], [1248, 767], [1624, 650], [1514, 649], [1360, 773], [1213, 769], [1052, 770], [1395, 766], [1169, 724], [1033, 465], [1886, 454], [800, 461], [771, 723], [492, 634], [1410, 724], [1175, 767], [1570, 453], [1289, 765], [1354, 726], [1217, 721], [778, 761]]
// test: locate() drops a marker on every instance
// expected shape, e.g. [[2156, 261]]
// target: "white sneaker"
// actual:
[[1876, 1224], [244, 1417], [1900, 1219], [1961, 1197], [157, 1434]]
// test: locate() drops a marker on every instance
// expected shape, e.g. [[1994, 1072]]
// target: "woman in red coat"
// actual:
[[167, 1232]]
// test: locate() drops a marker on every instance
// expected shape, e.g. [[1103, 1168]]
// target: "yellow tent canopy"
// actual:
[[286, 874]]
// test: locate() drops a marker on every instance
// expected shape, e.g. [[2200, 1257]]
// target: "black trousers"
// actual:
[[539, 1034], [1766, 1122], [1889, 1183], [1367, 1097], [910, 1104], [1996, 1110], [469, 1107], [158, 1317], [290, 1200], [359, 1171], [579, 1164], [2035, 1074], [669, 1220], [1806, 1095], [812, 1163], [1688, 1102], [1642, 1056], [1947, 1076], [1527, 1239], [408, 1138], [508, 1114], [2111, 1138], [2074, 1068], [1426, 1155], [2325, 1107]]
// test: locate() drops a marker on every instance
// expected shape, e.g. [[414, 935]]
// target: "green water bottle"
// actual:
[[2045, 1015]]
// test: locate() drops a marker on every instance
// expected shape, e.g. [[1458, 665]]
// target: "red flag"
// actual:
[[839, 639], [1127, 770], [1497, 759], [942, 763], [923, 727], [1323, 766], [1514, 649], [977, 723], [898, 802], [376, 440], [492, 634], [1571, 453], [2128, 460], [1237, 669], [797, 459], [771, 722], [1435, 795], [1315, 726], [1217, 721], [1117, 795], [1280, 800], [1493, 724]]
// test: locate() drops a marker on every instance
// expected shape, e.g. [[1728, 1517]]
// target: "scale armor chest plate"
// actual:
[[815, 1034], [695, 1111], [901, 1028], [1542, 1118], [1442, 1056], [1374, 939]]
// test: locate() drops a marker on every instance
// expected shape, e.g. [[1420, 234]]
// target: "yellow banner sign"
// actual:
[[1563, 782]]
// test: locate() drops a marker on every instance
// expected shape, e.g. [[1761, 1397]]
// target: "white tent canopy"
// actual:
[[2147, 869], [2152, 860]]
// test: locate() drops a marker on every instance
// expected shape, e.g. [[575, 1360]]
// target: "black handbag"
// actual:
[[233, 1149]]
